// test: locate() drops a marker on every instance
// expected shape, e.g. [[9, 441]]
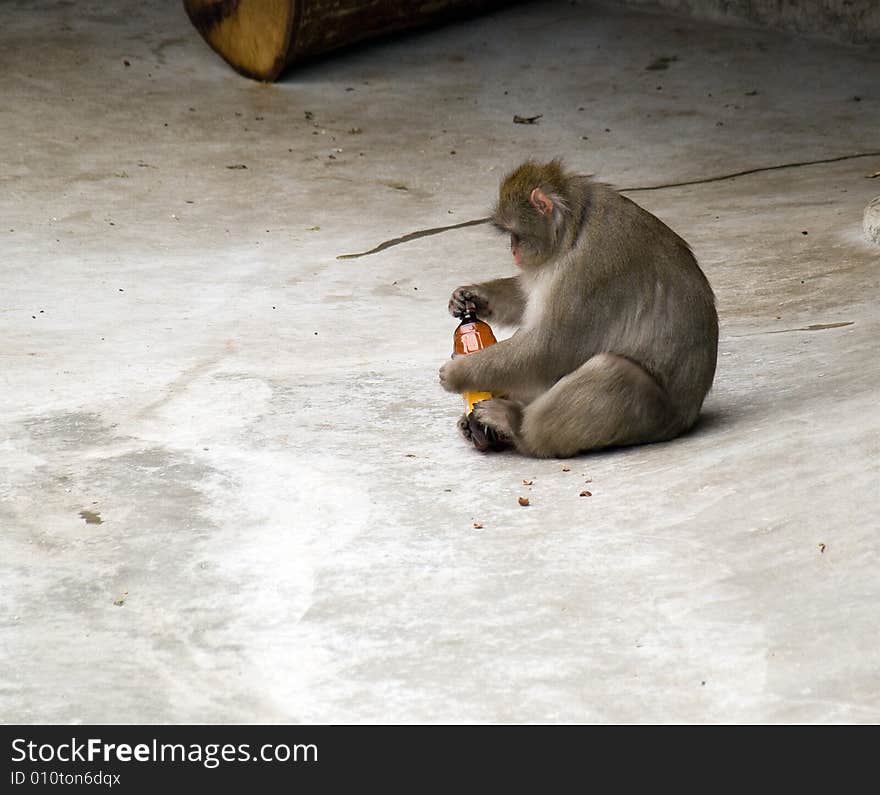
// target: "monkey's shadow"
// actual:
[[711, 422]]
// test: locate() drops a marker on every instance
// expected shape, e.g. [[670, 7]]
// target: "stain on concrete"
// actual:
[[68, 431], [662, 63], [184, 380], [92, 517], [159, 49]]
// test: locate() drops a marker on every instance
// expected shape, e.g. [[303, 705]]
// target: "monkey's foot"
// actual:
[[498, 420], [483, 438], [464, 427]]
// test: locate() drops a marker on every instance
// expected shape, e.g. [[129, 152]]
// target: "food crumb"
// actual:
[[478, 525], [528, 482], [566, 468], [821, 549], [523, 501], [586, 494]]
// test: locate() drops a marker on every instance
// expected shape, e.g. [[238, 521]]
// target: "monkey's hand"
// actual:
[[469, 294], [454, 375]]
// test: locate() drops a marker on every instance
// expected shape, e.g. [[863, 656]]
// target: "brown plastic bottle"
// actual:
[[473, 335]]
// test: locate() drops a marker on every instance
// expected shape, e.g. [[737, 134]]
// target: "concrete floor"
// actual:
[[286, 513]]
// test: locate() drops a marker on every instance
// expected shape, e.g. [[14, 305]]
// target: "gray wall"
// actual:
[[856, 21]]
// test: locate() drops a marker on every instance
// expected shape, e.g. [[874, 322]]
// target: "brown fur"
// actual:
[[619, 334]]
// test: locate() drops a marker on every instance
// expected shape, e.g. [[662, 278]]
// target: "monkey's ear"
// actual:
[[541, 201]]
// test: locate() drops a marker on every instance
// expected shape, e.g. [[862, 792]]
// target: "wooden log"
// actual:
[[260, 38]]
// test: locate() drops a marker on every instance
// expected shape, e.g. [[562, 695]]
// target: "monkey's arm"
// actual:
[[513, 366], [499, 300]]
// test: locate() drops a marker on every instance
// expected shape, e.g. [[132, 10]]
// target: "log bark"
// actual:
[[261, 38]]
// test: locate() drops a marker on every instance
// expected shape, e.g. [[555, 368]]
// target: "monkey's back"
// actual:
[[651, 301]]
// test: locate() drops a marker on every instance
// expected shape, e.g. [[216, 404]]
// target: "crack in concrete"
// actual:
[[812, 327], [436, 230], [413, 236], [745, 172]]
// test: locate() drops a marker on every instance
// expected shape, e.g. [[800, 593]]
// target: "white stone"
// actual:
[[871, 224]]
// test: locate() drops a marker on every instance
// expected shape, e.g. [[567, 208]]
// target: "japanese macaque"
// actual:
[[618, 334]]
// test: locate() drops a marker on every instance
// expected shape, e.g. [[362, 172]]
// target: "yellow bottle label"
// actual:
[[474, 397]]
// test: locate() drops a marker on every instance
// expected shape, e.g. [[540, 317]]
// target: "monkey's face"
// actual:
[[515, 249], [529, 234], [531, 209]]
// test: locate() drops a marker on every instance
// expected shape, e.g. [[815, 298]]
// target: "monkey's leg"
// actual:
[[608, 401]]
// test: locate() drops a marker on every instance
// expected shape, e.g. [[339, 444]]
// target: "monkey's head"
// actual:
[[532, 208]]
